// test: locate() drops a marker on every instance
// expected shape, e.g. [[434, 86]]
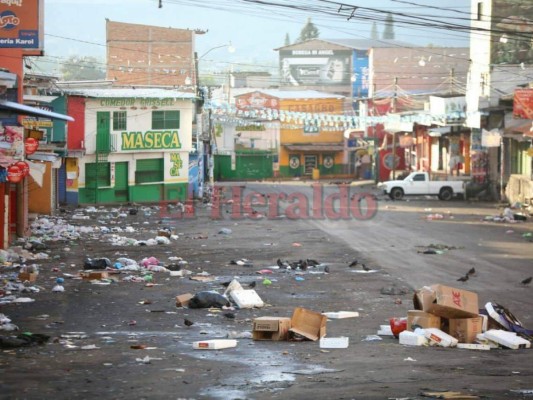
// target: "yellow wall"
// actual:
[[40, 198]]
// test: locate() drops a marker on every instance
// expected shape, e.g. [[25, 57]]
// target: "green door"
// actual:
[[103, 135], [121, 182], [254, 166]]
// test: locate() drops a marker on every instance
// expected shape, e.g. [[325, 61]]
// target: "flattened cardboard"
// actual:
[[447, 302], [421, 319], [28, 276], [95, 275], [271, 328], [182, 300], [309, 324], [465, 330]]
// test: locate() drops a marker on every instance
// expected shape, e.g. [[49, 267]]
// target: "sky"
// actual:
[[77, 27]]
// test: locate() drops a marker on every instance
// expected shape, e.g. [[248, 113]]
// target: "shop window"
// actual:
[[165, 119], [119, 120], [149, 171]]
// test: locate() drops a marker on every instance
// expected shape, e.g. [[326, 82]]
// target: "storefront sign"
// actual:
[[21, 24], [24, 168], [14, 174], [523, 103], [294, 161], [150, 140], [177, 164], [328, 162], [30, 123], [130, 102], [31, 145]]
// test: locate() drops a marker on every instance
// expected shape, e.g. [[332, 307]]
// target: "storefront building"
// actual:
[[132, 146]]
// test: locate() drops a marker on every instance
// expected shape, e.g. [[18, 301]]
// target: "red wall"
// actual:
[[76, 128]]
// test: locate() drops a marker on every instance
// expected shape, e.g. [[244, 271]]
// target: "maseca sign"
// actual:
[[151, 140]]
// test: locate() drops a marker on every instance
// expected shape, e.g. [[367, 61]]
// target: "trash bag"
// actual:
[[208, 300], [398, 325], [96, 263]]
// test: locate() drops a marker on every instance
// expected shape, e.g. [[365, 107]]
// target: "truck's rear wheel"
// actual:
[[446, 194], [396, 194]]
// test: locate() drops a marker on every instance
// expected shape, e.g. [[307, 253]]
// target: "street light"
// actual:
[[200, 109]]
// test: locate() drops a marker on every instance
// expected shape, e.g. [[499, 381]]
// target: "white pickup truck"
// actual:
[[418, 183]]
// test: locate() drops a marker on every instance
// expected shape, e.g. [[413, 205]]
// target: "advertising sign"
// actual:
[[21, 24], [523, 103], [360, 77], [315, 67]]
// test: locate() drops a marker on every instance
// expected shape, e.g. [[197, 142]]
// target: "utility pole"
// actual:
[[394, 105], [452, 78]]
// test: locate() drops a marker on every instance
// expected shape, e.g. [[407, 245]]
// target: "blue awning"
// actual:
[[18, 108]]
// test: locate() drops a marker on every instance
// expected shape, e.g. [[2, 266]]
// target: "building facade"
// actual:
[[132, 146]]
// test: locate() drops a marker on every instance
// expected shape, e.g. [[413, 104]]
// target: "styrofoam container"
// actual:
[[440, 338], [412, 339], [246, 298], [214, 344], [507, 339], [385, 330], [334, 342], [341, 314], [234, 285]]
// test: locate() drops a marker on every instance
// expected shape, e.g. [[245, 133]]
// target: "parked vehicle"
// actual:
[[419, 184]]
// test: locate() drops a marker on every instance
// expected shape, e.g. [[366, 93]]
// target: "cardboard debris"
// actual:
[[440, 338], [182, 300], [334, 342], [271, 328], [507, 339], [422, 319], [447, 302], [28, 276], [465, 330], [309, 324], [95, 275]]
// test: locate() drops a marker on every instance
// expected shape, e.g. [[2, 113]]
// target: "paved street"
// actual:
[[137, 346]]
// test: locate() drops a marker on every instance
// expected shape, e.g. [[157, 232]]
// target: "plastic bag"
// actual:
[[96, 263], [398, 325], [208, 300]]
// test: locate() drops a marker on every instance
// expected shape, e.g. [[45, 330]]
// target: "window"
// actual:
[[419, 178], [119, 120], [165, 119], [150, 170]]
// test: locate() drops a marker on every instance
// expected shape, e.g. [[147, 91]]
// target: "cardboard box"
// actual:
[[440, 338], [271, 328], [183, 299], [309, 324], [28, 276], [447, 302], [465, 330], [421, 319], [95, 275]]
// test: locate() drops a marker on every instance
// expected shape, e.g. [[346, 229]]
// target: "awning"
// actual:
[[519, 126], [18, 108], [315, 147]]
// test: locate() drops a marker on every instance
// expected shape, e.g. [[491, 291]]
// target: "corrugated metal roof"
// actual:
[[297, 94], [40, 99], [143, 93]]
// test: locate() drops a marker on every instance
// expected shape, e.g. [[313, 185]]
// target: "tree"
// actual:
[[309, 31], [82, 68], [287, 39], [374, 32], [388, 32]]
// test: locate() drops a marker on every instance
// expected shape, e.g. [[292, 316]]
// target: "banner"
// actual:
[[490, 138]]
